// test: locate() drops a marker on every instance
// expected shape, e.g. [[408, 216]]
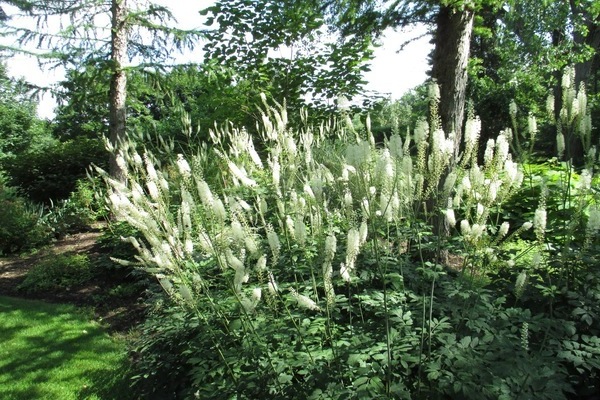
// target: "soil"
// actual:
[[120, 314]]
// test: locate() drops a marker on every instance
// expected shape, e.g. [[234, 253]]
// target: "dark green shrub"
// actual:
[[159, 371], [112, 241], [51, 173], [125, 290], [20, 227], [88, 196], [114, 247], [58, 273], [20, 128], [563, 200], [66, 217]]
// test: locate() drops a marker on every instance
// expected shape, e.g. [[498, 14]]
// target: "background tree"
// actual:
[[450, 22], [585, 17], [517, 49], [82, 109], [19, 126], [115, 30], [158, 102], [285, 49], [118, 81], [452, 39], [33, 162], [521, 50]]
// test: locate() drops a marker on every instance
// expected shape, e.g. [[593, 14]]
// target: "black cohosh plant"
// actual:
[[559, 275], [567, 212], [304, 270]]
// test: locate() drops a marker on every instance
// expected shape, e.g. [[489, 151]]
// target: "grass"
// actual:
[[51, 351]]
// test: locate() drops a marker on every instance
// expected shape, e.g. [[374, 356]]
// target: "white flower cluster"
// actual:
[[481, 188], [330, 249], [593, 223], [304, 301], [291, 199], [356, 238]]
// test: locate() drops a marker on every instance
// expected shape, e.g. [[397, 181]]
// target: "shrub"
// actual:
[[112, 241], [62, 272], [551, 180], [115, 247], [51, 173], [160, 372], [20, 227]]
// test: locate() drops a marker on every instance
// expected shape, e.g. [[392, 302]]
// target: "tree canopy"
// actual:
[[89, 29], [18, 121], [286, 49]]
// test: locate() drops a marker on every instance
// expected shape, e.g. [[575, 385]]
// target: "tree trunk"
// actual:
[[558, 37], [449, 69], [581, 17], [583, 69], [118, 83]]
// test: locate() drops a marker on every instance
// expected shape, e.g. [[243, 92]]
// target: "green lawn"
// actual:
[[50, 351]]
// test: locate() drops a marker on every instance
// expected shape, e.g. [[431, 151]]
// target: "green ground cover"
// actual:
[[51, 351]]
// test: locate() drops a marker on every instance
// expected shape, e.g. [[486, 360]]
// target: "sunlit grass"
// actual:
[[51, 351]]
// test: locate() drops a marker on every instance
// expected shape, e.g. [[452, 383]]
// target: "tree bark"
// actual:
[[558, 37], [118, 83], [583, 69], [449, 69]]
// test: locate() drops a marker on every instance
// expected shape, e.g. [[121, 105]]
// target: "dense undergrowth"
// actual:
[[334, 262], [325, 265]]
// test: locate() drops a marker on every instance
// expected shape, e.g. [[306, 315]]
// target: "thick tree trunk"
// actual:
[[583, 69], [449, 69], [118, 83]]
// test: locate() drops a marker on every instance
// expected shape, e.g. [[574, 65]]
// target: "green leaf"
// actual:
[[284, 378], [360, 381]]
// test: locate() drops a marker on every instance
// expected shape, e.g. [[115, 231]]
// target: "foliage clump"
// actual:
[[50, 173], [21, 227], [62, 272]]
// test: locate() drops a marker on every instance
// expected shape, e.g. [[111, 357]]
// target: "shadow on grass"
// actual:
[[52, 351]]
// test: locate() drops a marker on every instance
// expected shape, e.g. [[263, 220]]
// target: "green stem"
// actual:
[[431, 315], [386, 314], [247, 320]]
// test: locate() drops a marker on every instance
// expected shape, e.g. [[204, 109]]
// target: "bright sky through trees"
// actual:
[[391, 72]]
